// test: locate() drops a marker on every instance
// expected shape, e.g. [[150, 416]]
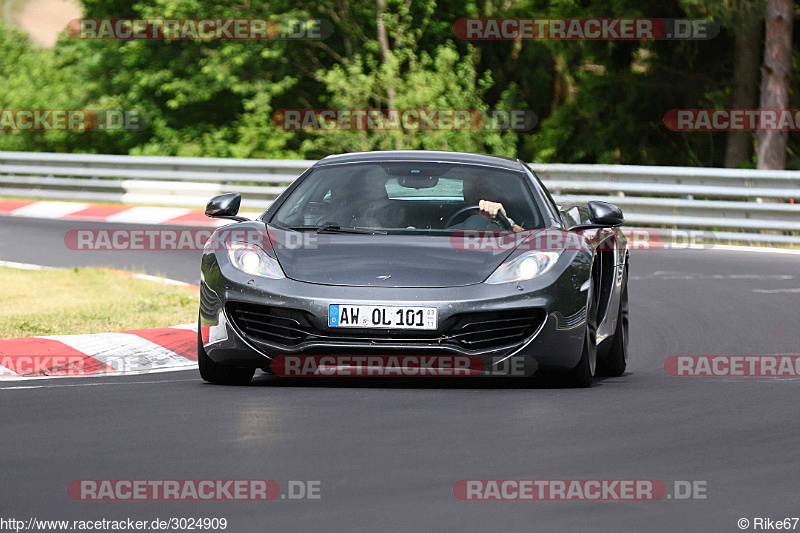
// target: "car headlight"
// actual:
[[525, 266], [254, 260]]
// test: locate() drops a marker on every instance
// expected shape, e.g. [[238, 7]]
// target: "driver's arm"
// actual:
[[492, 208]]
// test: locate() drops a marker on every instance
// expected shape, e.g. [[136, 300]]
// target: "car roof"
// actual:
[[423, 155]]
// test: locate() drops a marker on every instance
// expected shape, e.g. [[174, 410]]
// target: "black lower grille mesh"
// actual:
[[292, 328]]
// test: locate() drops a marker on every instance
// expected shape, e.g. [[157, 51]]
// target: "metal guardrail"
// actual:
[[737, 204]]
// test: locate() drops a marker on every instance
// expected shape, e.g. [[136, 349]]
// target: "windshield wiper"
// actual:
[[332, 227]]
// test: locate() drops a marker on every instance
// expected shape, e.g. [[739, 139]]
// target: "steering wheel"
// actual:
[[501, 220]]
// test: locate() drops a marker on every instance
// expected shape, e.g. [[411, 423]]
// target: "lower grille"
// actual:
[[277, 325], [486, 330], [471, 332]]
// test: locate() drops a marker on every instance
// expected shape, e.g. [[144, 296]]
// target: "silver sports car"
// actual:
[[372, 258]]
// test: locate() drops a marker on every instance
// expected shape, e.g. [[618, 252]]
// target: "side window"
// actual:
[[573, 216]]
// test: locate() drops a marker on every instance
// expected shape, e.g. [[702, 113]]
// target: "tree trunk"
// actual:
[[775, 81], [747, 50]]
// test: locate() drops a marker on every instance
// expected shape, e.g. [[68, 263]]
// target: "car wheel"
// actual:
[[616, 360], [582, 375], [217, 373]]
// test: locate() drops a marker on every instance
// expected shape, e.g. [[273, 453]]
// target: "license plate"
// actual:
[[381, 316]]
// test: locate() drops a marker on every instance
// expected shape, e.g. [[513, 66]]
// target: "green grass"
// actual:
[[88, 300]]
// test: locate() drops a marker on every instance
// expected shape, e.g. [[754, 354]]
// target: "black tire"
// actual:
[[583, 374], [616, 360], [217, 373]]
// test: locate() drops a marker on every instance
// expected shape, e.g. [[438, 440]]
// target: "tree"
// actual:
[[776, 72], [393, 70], [597, 101], [747, 43], [744, 19]]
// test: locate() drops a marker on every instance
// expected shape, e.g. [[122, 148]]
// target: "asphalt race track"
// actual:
[[388, 452]]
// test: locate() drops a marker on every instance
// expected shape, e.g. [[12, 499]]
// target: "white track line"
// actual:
[[97, 384], [148, 215], [147, 277], [26, 266], [755, 249], [48, 209], [104, 375], [777, 291], [192, 326], [159, 279]]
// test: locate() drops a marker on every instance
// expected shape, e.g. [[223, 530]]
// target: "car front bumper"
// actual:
[[556, 303]]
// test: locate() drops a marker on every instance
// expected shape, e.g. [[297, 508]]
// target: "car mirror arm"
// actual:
[[231, 217], [594, 226]]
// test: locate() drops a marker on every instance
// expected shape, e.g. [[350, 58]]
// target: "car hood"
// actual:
[[381, 260]]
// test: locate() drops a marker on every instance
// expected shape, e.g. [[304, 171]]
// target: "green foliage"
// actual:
[[445, 81], [35, 79], [597, 101]]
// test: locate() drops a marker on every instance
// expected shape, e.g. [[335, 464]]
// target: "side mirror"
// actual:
[[605, 214], [225, 206]]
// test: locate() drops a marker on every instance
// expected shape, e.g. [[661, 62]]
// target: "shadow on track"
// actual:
[[536, 382]]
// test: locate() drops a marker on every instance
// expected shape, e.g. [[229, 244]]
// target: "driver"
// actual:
[[476, 190]]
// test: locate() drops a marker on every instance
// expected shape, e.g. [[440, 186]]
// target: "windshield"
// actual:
[[410, 197]]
